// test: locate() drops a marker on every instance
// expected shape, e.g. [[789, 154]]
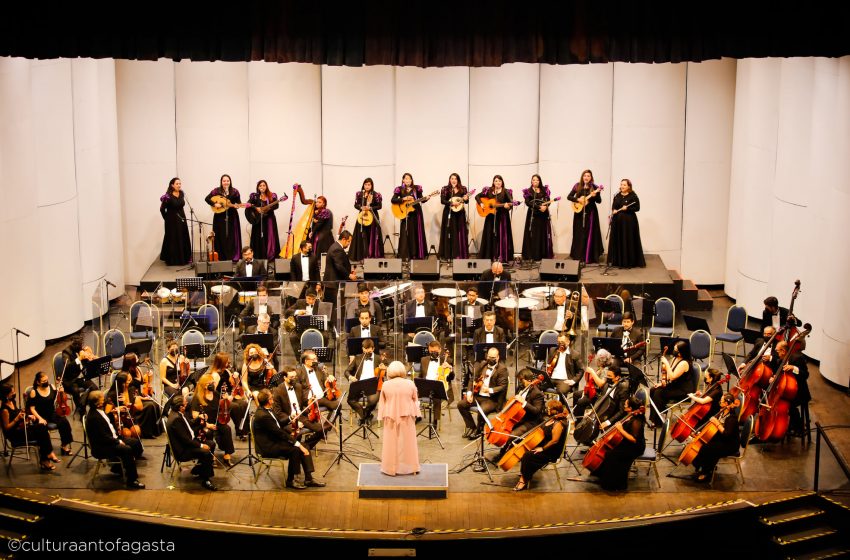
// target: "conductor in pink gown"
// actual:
[[398, 410]]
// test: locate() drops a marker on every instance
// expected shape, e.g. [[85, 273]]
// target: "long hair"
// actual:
[[201, 389], [493, 183], [460, 187], [221, 181], [370, 181], [219, 362], [581, 178], [268, 190], [171, 185], [539, 182]]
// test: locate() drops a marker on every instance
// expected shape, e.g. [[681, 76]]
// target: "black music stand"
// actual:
[[363, 389], [478, 460], [140, 347], [97, 368], [195, 351], [613, 345], [540, 352], [336, 417], [481, 348], [325, 355], [696, 323], [416, 324], [434, 389], [304, 322], [264, 340], [354, 346], [606, 306], [414, 353], [192, 284]]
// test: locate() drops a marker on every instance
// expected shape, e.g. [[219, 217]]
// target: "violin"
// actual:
[[124, 419], [609, 440], [61, 405], [314, 414], [665, 365], [223, 416], [589, 382], [686, 423], [332, 392], [528, 443], [212, 254], [381, 370], [182, 370], [238, 390], [511, 414]]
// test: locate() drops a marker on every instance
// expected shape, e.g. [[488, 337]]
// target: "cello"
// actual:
[[511, 414], [754, 378], [528, 442], [705, 435], [608, 441], [688, 421]]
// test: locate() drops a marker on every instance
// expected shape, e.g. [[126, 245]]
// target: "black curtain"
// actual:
[[420, 33]]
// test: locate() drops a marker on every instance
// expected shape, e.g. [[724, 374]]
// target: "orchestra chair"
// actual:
[[267, 462], [746, 434], [176, 464], [561, 457], [549, 336], [24, 452], [114, 345], [212, 324], [736, 322], [422, 338], [312, 338], [141, 309], [102, 462], [614, 319], [58, 363], [807, 425], [650, 455], [663, 320], [702, 348]]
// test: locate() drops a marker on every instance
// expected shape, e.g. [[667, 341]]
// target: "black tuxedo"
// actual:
[[355, 370], [487, 285], [259, 268], [282, 406], [767, 318], [437, 404], [574, 373], [535, 403], [480, 335], [352, 310], [337, 265], [297, 272], [462, 309], [322, 375], [104, 445], [272, 440], [185, 447], [635, 336], [490, 403], [757, 348], [374, 332], [410, 308], [487, 276]]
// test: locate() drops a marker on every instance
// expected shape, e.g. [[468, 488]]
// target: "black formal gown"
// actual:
[[587, 236], [537, 235], [613, 473], [497, 237], [625, 249], [322, 230], [176, 247], [721, 445], [367, 241], [411, 239], [265, 240], [454, 238], [227, 227]]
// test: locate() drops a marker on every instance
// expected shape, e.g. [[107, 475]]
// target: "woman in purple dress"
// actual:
[[411, 240], [537, 239], [322, 230], [176, 248], [265, 240], [497, 239], [587, 236], [367, 241], [454, 239], [226, 225]]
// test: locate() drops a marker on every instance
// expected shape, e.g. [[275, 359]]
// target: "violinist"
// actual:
[[143, 413], [235, 386], [364, 303], [531, 399], [182, 436], [366, 329], [566, 368], [726, 442], [255, 366], [274, 441], [311, 375], [366, 366], [488, 386], [146, 417], [613, 473], [488, 332], [430, 367], [549, 449], [677, 380], [21, 428], [715, 392], [107, 444], [76, 356], [797, 366], [42, 405], [630, 336], [169, 370], [289, 401], [264, 326], [206, 404]]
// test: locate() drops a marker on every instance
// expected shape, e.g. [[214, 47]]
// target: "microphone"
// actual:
[[19, 331], [108, 283], [2, 361]]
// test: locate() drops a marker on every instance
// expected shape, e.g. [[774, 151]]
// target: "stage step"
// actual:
[[431, 482], [809, 534], [824, 553], [704, 301], [13, 515], [687, 296], [791, 515]]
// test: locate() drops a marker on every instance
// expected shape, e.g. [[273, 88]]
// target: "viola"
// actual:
[[528, 442], [381, 370], [314, 414], [61, 405], [589, 384], [124, 419], [687, 422], [223, 416], [182, 370], [504, 422], [332, 392], [608, 441]]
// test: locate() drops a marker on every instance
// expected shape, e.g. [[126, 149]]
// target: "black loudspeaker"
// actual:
[[565, 270], [381, 269], [282, 269], [429, 269], [216, 267], [469, 269]]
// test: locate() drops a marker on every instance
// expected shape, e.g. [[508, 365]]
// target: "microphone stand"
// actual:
[[17, 372]]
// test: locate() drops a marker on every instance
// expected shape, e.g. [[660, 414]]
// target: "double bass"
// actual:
[[791, 325], [504, 422], [688, 421], [608, 441], [754, 378]]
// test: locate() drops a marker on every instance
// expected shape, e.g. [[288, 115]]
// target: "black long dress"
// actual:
[[721, 445], [176, 247], [411, 239], [533, 462], [537, 236], [586, 225], [226, 225], [45, 406], [613, 473], [367, 241], [497, 237], [265, 240], [625, 249], [454, 238], [147, 419], [322, 230]]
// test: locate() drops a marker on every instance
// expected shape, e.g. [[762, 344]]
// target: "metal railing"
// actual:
[[821, 434]]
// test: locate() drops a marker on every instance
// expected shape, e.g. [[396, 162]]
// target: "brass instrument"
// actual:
[[289, 324], [573, 307], [444, 370]]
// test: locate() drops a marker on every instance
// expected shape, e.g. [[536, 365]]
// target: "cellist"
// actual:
[[531, 398], [712, 397], [613, 473], [549, 449], [725, 442], [489, 385]]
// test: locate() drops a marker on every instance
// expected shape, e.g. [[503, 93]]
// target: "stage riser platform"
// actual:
[[431, 483]]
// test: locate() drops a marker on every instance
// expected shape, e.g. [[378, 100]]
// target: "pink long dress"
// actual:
[[398, 409]]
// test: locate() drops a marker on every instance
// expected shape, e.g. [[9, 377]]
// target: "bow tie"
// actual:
[[249, 262], [419, 304], [367, 358]]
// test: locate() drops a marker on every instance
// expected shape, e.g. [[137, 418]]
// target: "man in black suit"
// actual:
[[366, 329], [419, 306], [337, 266], [105, 443], [307, 306], [289, 401], [363, 301], [798, 367], [429, 368], [312, 376], [184, 446], [563, 319], [470, 307], [630, 335], [273, 441], [492, 280], [761, 344], [490, 395], [567, 372], [249, 266], [361, 368], [303, 266], [775, 316], [488, 332]]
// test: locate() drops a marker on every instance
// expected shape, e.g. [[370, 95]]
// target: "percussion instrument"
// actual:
[[459, 300], [448, 292], [518, 303]]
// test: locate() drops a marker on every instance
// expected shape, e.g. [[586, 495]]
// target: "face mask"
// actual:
[[492, 361], [435, 355], [44, 384], [173, 352]]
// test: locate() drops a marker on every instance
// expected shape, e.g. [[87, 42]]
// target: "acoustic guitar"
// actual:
[[405, 207]]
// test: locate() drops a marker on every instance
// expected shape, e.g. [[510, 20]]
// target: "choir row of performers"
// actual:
[[495, 203]]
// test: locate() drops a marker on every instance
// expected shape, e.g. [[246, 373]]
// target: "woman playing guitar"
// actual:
[[411, 240], [265, 240]]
